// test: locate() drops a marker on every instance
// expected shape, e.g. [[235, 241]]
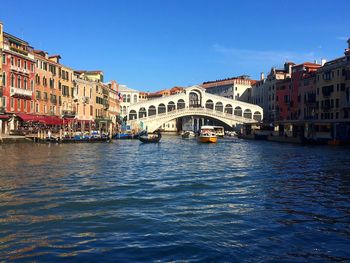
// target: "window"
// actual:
[[18, 62], [32, 67], [19, 82], [32, 85], [25, 64], [4, 79], [18, 104], [3, 59], [25, 83], [11, 102], [12, 61], [24, 105]]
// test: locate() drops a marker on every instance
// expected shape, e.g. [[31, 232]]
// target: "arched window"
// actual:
[[209, 104], [238, 111], [161, 108], [12, 80], [142, 113], [228, 109], [171, 106], [181, 104], [152, 110], [19, 82], [135, 98], [128, 98], [25, 83], [247, 114], [219, 106], [132, 115], [257, 116]]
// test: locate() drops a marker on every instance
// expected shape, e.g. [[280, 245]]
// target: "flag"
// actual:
[[120, 96]]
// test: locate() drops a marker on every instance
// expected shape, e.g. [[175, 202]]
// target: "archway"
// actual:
[[194, 100], [152, 110], [219, 106], [161, 108], [247, 114], [171, 106], [142, 113], [238, 111], [132, 115], [228, 109], [257, 116], [209, 104], [181, 104]]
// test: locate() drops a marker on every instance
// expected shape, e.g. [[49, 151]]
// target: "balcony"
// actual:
[[19, 69], [68, 113], [85, 100], [17, 92]]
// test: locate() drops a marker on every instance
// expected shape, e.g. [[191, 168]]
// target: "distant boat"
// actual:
[[126, 135], [207, 135], [188, 135], [150, 138]]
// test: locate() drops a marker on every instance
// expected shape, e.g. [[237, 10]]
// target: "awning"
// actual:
[[49, 120], [29, 117], [2, 116]]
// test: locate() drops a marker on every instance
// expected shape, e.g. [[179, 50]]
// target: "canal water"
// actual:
[[179, 200]]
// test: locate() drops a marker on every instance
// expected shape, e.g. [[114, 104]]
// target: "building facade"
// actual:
[[236, 88]]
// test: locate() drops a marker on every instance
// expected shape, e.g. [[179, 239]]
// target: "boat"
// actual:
[[188, 135], [207, 135], [150, 138], [126, 135]]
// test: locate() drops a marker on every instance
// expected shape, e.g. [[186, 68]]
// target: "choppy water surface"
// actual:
[[176, 201]]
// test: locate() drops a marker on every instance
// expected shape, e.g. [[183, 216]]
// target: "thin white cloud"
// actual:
[[244, 56], [343, 38]]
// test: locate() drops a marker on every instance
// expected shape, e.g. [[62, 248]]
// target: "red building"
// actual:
[[289, 91], [18, 75]]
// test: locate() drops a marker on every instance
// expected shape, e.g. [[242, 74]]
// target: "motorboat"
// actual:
[[188, 135], [207, 135]]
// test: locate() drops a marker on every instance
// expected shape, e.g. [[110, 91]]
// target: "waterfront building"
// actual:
[[113, 102], [236, 88], [47, 99], [84, 98], [333, 89], [263, 92], [3, 117], [129, 97], [18, 72]]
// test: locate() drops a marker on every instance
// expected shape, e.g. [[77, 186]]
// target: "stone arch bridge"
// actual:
[[193, 101]]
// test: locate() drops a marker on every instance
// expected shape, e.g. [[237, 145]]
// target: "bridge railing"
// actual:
[[207, 111]]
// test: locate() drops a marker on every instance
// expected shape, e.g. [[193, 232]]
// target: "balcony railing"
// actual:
[[68, 113], [19, 69], [20, 92]]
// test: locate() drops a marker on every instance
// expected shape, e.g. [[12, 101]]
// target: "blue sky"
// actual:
[[157, 44]]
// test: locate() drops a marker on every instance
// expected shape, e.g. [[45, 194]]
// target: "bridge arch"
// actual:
[[171, 106], [161, 108], [209, 104], [228, 109], [195, 98], [132, 115], [181, 104], [247, 114], [142, 113], [219, 106], [238, 111], [257, 116], [152, 110]]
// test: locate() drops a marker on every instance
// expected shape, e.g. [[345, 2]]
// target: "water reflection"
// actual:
[[178, 200]]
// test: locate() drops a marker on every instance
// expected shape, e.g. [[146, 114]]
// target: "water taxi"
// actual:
[[207, 134]]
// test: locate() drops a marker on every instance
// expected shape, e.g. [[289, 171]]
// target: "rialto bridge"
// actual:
[[193, 101]]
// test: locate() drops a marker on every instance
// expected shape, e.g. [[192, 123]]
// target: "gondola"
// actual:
[[150, 138]]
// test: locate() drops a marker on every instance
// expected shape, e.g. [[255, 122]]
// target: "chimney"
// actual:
[[262, 76], [323, 61]]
